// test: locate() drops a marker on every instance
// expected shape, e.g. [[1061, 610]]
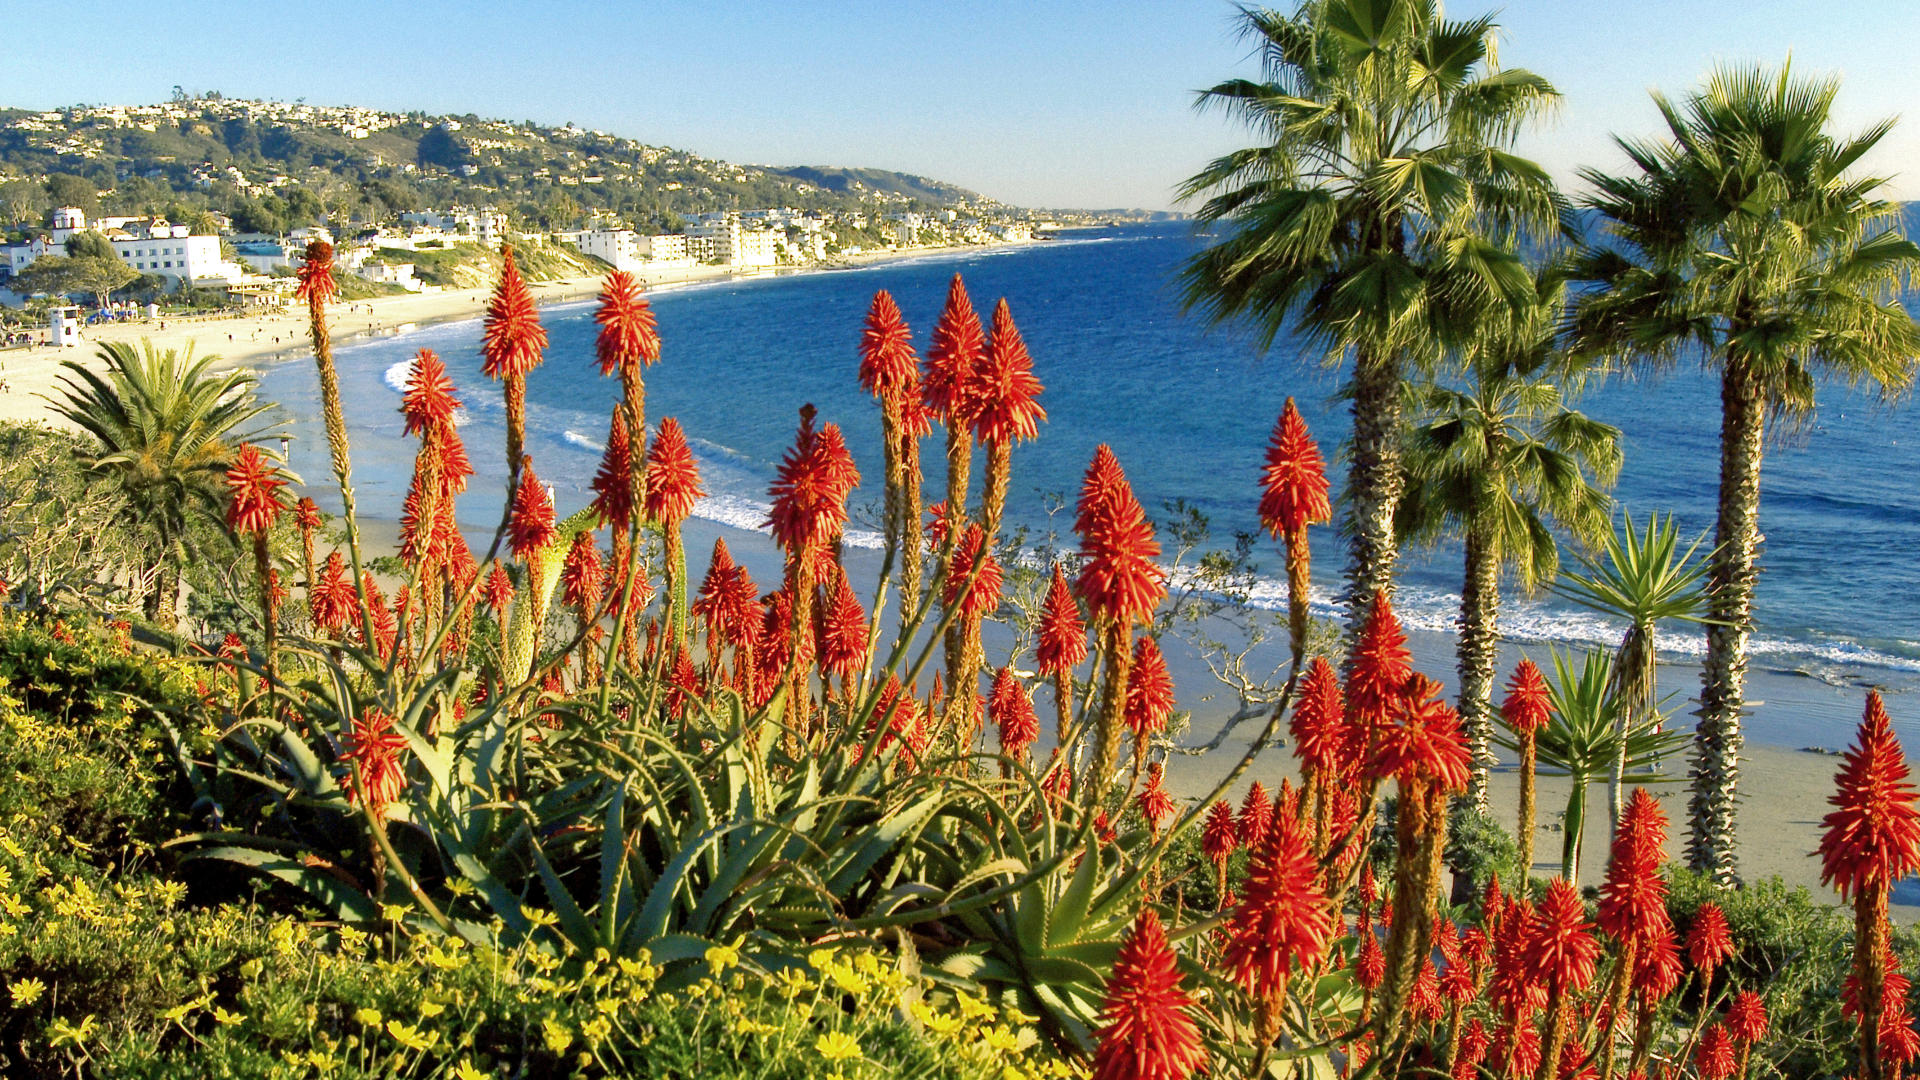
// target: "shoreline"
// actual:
[[279, 335]]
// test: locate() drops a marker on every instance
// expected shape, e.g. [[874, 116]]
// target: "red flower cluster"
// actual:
[[1381, 665], [512, 341], [1219, 837], [627, 335], [254, 485], [1118, 580], [1633, 899], [887, 363], [316, 274], [1560, 950], [613, 483], [1156, 804], [428, 403], [331, 601], [580, 575], [1294, 483], [1529, 703], [1011, 711], [1872, 836], [1149, 1033], [673, 478], [1003, 389], [531, 525], [1424, 739], [373, 751], [1318, 724], [843, 631], [810, 491], [728, 599], [984, 595], [1149, 690], [957, 349], [1256, 816], [1062, 639], [1282, 922]]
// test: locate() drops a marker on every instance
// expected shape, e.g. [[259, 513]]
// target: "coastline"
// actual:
[[273, 337], [1783, 788]]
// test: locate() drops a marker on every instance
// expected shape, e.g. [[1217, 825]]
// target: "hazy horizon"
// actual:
[[1063, 105]]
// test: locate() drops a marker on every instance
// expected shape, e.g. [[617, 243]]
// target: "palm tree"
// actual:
[[1746, 240], [1377, 216], [1638, 577], [165, 429], [1499, 463]]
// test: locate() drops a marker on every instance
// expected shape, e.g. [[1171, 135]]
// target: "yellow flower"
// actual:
[[557, 1037], [792, 983], [460, 887], [836, 1046], [393, 912], [847, 979], [65, 1034], [15, 906], [749, 1026], [466, 1071], [938, 1023], [866, 964], [27, 991], [13, 849], [411, 1037], [1000, 1038], [820, 959], [369, 1017], [632, 969], [971, 1008], [597, 1029], [225, 1017], [722, 957], [431, 1009], [179, 1012]]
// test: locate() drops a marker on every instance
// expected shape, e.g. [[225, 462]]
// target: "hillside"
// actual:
[[271, 166]]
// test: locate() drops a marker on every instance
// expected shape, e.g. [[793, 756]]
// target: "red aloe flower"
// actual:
[[497, 590], [1318, 725], [1149, 690], [1156, 804], [331, 601], [811, 488], [1528, 703], [613, 483], [843, 632], [306, 514], [1219, 837], [1473, 1050], [1256, 817], [1062, 641], [1714, 1058], [1104, 475], [1747, 1018], [373, 751], [683, 684], [1282, 922], [1119, 580], [984, 595], [887, 362], [1709, 939], [1294, 482], [316, 274], [1633, 899], [1872, 837], [901, 713], [580, 575], [429, 403], [1656, 968], [1370, 966], [1560, 950], [531, 526], [386, 628], [627, 334], [957, 348], [1005, 392], [1424, 740], [1370, 888], [673, 478], [1381, 664], [1011, 711], [1149, 1033], [255, 488], [513, 340]]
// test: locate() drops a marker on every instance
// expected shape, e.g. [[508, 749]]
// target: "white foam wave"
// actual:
[[396, 376], [582, 441], [741, 512]]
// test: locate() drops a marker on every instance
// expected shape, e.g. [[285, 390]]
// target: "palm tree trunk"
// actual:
[[1730, 579], [1478, 652], [1373, 483]]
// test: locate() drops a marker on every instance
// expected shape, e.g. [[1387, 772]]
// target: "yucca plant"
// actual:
[[1584, 736], [1644, 578]]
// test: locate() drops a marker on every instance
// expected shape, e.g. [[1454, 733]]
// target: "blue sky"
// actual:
[[1047, 103]]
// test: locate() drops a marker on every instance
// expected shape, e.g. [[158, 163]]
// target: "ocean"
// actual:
[[1187, 409]]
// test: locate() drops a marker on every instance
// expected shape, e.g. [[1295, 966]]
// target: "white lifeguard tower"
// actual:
[[63, 327]]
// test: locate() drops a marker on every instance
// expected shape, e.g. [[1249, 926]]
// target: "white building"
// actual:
[[156, 247], [618, 248], [720, 238]]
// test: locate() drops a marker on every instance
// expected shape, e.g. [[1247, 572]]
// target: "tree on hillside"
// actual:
[[1376, 216], [65, 189], [1749, 240], [102, 277], [90, 244]]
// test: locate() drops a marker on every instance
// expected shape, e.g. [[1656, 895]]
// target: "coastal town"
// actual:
[[227, 231]]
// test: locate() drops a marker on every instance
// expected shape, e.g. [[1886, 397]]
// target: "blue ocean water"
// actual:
[[1188, 411]]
